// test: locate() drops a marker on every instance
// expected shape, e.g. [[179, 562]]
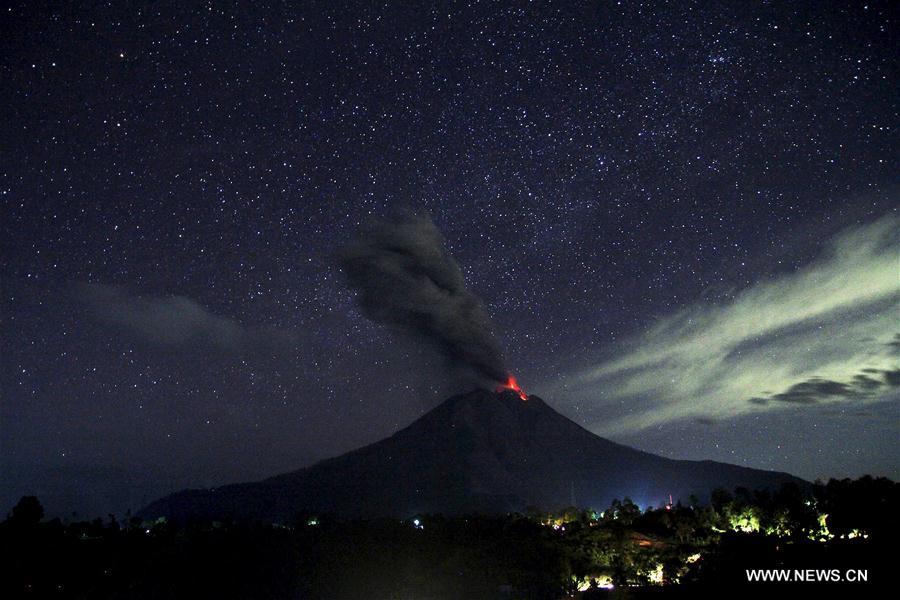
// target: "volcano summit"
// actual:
[[477, 452]]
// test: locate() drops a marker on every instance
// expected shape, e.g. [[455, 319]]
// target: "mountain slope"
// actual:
[[476, 452]]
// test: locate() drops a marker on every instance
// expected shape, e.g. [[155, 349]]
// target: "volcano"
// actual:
[[485, 452]]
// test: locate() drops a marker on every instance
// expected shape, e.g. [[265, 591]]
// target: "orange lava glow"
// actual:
[[511, 384]]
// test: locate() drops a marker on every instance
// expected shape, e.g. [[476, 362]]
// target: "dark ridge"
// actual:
[[480, 452]]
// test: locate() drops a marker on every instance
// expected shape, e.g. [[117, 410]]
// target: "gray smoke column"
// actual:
[[405, 279]]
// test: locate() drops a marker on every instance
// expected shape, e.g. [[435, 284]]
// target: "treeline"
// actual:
[[539, 554]]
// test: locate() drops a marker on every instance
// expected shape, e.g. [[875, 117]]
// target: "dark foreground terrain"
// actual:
[[676, 551]]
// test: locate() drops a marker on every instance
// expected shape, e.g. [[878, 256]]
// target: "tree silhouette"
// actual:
[[27, 512]]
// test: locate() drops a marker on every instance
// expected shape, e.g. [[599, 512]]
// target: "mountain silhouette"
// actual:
[[477, 452]]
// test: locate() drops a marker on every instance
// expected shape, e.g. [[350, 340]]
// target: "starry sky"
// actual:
[[681, 217]]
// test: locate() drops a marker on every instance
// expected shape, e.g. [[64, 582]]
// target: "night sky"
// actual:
[[681, 217]]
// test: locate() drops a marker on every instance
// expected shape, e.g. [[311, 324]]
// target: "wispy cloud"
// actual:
[[173, 320], [824, 333]]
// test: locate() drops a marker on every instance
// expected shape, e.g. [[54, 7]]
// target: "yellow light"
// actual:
[[601, 581]]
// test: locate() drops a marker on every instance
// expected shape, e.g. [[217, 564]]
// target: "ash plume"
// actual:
[[404, 278]]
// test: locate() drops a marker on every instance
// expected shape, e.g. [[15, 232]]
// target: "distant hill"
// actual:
[[477, 452]]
